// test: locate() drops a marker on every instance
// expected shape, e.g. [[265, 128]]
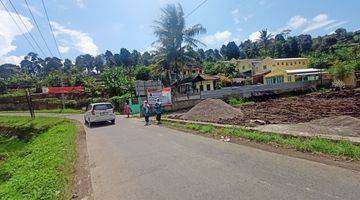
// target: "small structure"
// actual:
[[197, 83]]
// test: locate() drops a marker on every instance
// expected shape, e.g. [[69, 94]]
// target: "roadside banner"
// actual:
[[164, 95], [62, 90]]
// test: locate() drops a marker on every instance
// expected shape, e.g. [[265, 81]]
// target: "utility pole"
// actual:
[[29, 101], [62, 85]]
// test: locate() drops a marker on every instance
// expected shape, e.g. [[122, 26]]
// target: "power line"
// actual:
[[27, 29], [38, 28], [17, 25], [51, 29], [197, 7]]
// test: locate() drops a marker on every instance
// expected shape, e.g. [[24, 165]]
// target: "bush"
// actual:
[[238, 101], [119, 101], [3, 87]]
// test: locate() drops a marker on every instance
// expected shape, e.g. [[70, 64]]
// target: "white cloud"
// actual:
[[296, 22], [236, 16], [79, 40], [247, 17], [254, 36], [336, 25], [80, 3], [33, 10], [8, 33], [319, 21], [223, 37], [64, 49]]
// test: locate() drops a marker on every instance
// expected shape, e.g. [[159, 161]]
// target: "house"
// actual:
[[280, 75], [271, 71], [192, 70], [196, 83]]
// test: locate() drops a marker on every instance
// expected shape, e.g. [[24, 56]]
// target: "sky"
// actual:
[[94, 26]]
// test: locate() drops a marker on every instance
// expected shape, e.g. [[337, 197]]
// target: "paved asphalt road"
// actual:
[[130, 161]]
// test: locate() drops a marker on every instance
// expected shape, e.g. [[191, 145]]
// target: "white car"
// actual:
[[99, 112]]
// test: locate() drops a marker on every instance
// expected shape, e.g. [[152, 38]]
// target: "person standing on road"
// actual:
[[146, 112], [127, 110], [158, 110]]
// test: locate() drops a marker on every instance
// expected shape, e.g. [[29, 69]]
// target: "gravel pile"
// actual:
[[211, 110]]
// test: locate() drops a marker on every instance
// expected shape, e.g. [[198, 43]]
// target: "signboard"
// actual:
[[164, 95], [142, 86], [62, 90]]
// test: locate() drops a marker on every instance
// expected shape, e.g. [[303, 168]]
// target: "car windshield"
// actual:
[[103, 107]]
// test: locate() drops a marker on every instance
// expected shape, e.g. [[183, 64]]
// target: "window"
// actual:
[[289, 79], [278, 63], [282, 63], [208, 87], [286, 64], [303, 62], [243, 67], [103, 107], [201, 88], [291, 63]]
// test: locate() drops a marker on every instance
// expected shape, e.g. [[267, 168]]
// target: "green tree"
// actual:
[[173, 38], [117, 81], [265, 39], [142, 73], [232, 51]]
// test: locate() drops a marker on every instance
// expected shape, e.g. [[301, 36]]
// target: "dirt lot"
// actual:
[[299, 109]]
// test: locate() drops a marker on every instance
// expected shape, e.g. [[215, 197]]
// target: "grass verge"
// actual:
[[305, 144], [40, 167], [64, 111]]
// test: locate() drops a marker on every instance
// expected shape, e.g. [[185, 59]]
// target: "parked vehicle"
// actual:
[[99, 112]]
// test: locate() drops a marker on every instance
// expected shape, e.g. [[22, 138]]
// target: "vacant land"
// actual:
[[303, 108], [37, 158]]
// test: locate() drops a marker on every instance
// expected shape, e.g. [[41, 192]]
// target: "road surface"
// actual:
[[130, 161]]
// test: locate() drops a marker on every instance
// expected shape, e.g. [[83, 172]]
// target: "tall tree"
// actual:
[[125, 57], [305, 43], [265, 38], [109, 59], [172, 39], [99, 62], [31, 64], [135, 57], [232, 51], [68, 65], [146, 58], [85, 62]]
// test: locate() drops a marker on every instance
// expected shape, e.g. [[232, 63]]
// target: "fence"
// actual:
[[258, 90]]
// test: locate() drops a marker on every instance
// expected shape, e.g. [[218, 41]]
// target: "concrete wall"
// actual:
[[180, 105], [256, 90]]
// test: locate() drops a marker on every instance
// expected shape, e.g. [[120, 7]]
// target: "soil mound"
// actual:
[[211, 110]]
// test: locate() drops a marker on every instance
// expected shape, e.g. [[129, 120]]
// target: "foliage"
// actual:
[[3, 87], [42, 167], [119, 101], [142, 73], [173, 38], [234, 101], [118, 81]]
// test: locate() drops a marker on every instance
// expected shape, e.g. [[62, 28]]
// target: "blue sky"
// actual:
[[89, 26]]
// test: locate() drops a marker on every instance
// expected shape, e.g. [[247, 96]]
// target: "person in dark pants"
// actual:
[[158, 111], [146, 112]]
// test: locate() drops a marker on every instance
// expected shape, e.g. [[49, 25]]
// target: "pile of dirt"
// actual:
[[211, 110], [298, 109]]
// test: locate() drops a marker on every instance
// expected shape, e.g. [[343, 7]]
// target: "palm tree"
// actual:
[[265, 38], [173, 38]]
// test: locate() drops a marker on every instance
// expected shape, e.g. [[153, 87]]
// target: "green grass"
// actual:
[[239, 101], [64, 111], [41, 167], [304, 144]]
